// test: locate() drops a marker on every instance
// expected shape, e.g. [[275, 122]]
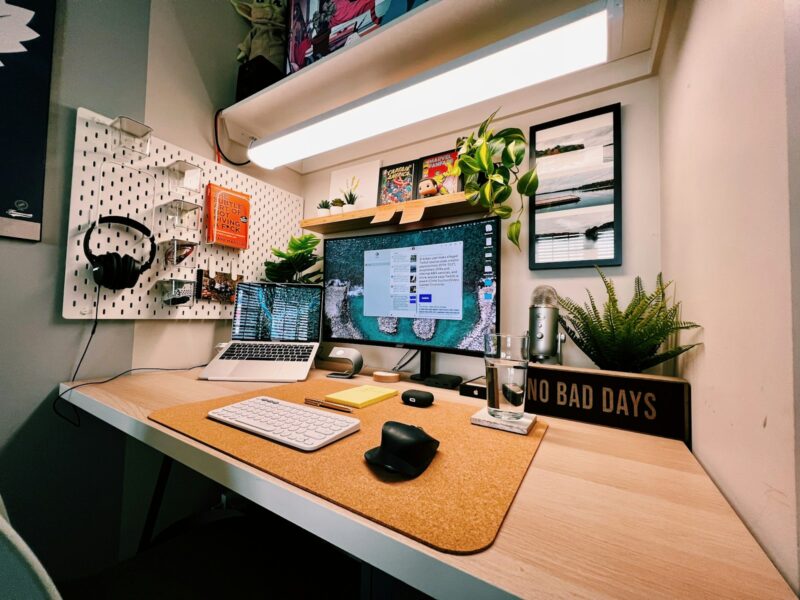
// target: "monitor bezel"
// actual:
[[412, 346], [281, 284]]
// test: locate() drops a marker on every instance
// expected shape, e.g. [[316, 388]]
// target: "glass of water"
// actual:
[[506, 374]]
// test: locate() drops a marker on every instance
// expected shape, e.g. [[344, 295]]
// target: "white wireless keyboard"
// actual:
[[297, 425]]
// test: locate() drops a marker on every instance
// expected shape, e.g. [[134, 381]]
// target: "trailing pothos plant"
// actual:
[[489, 165], [297, 262], [631, 339]]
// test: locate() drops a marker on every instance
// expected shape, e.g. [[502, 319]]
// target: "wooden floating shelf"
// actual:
[[394, 214]]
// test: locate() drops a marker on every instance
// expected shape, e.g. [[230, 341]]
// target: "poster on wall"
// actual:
[[576, 215], [319, 27], [26, 55]]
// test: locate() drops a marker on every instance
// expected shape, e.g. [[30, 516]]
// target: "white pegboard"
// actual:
[[110, 179]]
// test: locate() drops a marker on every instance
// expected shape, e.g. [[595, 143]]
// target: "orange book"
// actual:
[[227, 214]]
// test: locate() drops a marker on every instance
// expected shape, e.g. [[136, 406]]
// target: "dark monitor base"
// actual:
[[441, 380]]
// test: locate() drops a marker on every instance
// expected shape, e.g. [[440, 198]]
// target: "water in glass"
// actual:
[[506, 375]]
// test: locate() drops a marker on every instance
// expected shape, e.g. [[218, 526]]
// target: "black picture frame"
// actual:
[[24, 112], [561, 237]]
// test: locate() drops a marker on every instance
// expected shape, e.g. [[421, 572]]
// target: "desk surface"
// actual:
[[600, 513]]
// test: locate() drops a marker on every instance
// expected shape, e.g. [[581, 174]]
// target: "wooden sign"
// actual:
[[644, 403]]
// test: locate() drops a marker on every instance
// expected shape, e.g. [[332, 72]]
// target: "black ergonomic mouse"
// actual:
[[404, 449]]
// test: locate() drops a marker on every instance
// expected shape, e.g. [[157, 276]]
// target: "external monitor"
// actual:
[[434, 289]]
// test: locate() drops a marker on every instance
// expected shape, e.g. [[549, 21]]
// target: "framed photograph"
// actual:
[[576, 215], [219, 288], [396, 183]]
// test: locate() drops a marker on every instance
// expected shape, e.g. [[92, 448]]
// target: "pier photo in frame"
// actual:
[[576, 214]]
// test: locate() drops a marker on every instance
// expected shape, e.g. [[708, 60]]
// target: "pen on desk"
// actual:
[[326, 404]]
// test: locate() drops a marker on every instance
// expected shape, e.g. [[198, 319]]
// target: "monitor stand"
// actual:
[[439, 380]]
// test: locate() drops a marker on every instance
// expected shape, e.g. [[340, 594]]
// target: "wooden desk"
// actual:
[[601, 513]]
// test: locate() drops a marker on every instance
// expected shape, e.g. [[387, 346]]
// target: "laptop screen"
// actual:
[[286, 312]]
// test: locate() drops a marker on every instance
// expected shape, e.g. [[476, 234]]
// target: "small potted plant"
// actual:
[[337, 206], [323, 208], [350, 195]]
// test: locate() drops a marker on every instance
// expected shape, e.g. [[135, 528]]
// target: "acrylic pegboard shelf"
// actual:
[[185, 177], [176, 292], [108, 180], [132, 135]]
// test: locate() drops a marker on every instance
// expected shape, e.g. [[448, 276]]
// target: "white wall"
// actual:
[[641, 231], [191, 72], [725, 237]]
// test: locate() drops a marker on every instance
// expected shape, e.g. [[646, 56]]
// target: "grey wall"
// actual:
[[62, 485]]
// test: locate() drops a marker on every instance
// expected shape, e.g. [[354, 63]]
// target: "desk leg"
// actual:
[[155, 503]]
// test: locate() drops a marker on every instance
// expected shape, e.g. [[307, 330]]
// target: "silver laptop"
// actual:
[[275, 333]]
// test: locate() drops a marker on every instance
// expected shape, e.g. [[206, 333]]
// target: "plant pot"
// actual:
[[348, 208], [323, 212], [336, 210]]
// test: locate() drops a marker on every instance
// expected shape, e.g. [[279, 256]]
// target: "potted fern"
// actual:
[[632, 339], [323, 208]]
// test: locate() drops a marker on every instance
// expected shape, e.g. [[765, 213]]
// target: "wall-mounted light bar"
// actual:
[[541, 53]]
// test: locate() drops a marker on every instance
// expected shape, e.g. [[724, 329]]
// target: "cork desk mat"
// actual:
[[457, 505]]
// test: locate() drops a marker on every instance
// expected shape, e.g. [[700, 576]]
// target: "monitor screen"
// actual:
[[435, 288], [277, 312]]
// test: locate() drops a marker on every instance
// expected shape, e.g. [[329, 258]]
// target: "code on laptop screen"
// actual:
[[277, 312]]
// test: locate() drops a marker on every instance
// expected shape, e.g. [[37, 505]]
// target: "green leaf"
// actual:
[[483, 157], [511, 134], [485, 125], [502, 194], [496, 146], [503, 172], [473, 198], [528, 183], [513, 154], [497, 177], [486, 194], [468, 165], [502, 210], [513, 233]]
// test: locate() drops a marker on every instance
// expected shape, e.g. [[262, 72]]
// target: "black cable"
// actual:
[[216, 143], [77, 421], [91, 335], [75, 387], [400, 364]]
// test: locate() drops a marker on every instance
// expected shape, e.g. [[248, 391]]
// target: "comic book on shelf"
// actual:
[[396, 183], [436, 175], [227, 216]]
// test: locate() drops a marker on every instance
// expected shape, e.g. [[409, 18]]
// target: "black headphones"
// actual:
[[111, 270]]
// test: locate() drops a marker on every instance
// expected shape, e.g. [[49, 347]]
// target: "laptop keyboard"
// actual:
[[271, 352]]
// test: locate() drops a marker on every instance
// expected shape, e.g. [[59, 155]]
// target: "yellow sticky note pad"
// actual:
[[361, 396]]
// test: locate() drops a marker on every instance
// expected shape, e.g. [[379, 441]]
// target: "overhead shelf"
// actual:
[[433, 34], [394, 214]]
